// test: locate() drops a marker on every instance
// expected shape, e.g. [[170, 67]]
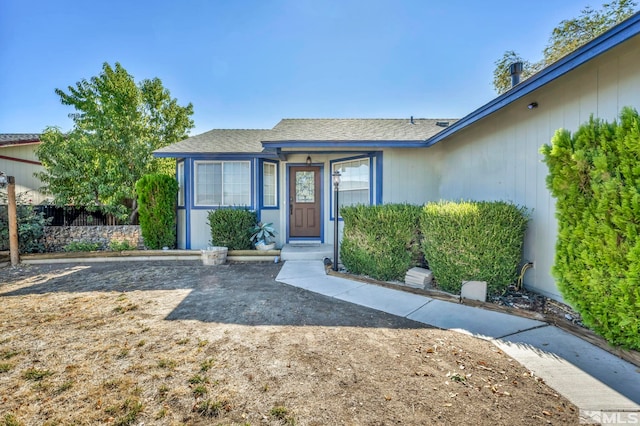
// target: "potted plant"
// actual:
[[263, 235]]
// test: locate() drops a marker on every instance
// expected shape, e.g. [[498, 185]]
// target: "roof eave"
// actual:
[[214, 154], [344, 144], [608, 40], [20, 143]]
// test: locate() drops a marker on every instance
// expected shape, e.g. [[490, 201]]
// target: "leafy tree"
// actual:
[[117, 126], [569, 35]]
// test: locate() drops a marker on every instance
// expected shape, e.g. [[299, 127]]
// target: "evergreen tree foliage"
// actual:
[[157, 210], [594, 175]]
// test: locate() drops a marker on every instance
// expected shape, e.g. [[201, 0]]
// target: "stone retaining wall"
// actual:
[[56, 237]]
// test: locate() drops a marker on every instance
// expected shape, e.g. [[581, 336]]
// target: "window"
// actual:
[[222, 183], [180, 174], [354, 181], [269, 185]]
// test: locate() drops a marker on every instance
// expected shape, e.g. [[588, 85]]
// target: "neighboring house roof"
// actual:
[[228, 141], [608, 40], [10, 139], [331, 132]]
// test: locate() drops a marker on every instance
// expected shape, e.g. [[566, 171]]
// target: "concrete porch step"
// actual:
[[306, 251]]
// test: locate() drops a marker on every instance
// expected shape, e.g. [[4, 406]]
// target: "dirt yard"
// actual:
[[180, 343]]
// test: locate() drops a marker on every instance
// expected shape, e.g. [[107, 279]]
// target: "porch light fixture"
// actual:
[[336, 180], [308, 160], [336, 186], [532, 105], [3, 180]]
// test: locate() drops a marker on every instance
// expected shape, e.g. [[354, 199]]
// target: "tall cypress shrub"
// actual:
[[157, 210], [594, 175]]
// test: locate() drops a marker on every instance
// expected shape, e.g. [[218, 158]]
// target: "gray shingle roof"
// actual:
[[7, 139], [220, 140], [356, 129], [227, 141]]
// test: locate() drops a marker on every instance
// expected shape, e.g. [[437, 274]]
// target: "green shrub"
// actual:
[[380, 241], [157, 210], [479, 241], [121, 245], [30, 225], [232, 228], [594, 175], [82, 246]]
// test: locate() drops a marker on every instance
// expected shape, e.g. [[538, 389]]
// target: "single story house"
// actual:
[[18, 158], [284, 173]]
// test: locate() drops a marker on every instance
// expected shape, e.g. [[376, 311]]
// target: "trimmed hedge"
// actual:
[[594, 175], [157, 210], [479, 241], [380, 241], [232, 228]]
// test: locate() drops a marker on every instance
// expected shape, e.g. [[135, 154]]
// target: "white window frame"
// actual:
[[266, 164], [223, 202], [180, 173], [336, 165]]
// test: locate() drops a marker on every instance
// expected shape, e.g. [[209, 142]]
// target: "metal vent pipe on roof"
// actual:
[[515, 70]]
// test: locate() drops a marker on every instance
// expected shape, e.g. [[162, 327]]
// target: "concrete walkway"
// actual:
[[593, 379]]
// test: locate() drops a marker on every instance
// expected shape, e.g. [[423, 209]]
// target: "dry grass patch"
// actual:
[[91, 358]]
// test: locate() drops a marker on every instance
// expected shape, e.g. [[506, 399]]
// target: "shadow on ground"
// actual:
[[236, 293]]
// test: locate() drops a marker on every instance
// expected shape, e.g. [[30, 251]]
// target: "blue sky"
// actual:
[[249, 63]]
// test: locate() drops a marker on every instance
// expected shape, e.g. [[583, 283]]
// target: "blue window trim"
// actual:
[[188, 196], [261, 185], [374, 185], [378, 156], [322, 198]]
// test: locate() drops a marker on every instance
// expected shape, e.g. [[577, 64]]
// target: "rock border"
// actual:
[[585, 334]]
